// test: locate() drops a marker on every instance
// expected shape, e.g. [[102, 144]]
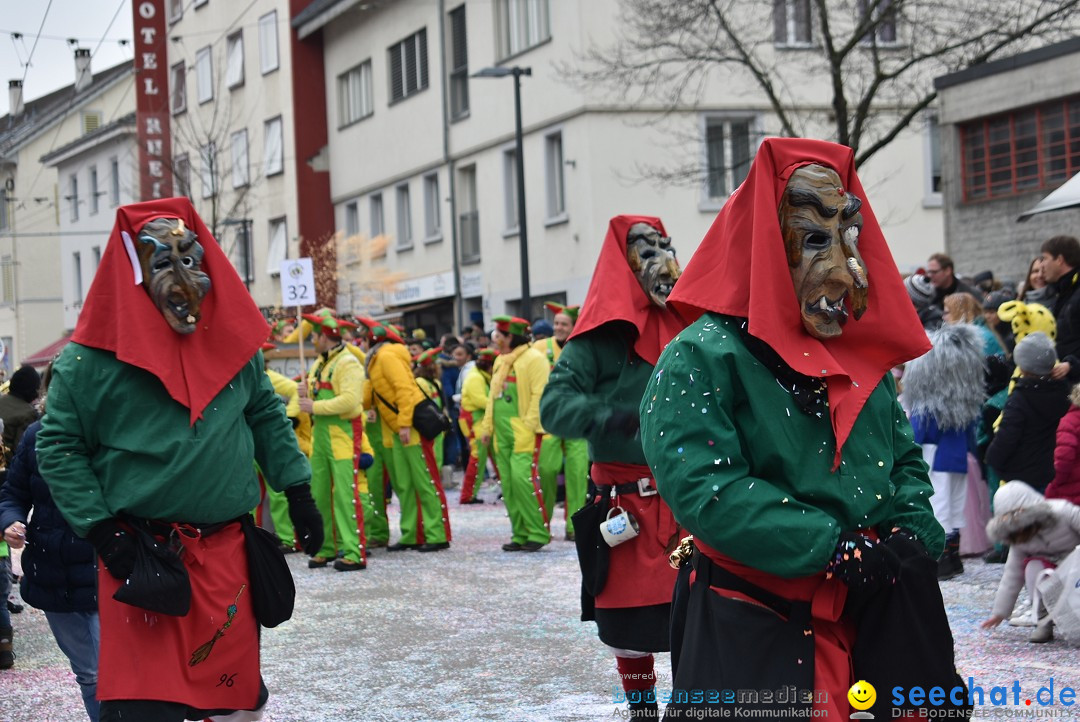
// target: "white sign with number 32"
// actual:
[[297, 282]]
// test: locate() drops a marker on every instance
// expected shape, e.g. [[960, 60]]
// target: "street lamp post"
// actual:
[[523, 233]]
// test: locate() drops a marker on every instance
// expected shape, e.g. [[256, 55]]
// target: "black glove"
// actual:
[[115, 546], [306, 520], [860, 563], [900, 537], [622, 423]]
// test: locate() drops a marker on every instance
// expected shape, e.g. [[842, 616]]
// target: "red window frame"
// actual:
[[1029, 149]]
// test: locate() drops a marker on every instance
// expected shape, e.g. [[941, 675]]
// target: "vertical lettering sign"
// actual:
[[152, 100]]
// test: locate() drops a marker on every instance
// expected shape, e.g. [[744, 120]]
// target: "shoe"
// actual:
[[512, 547], [344, 565], [477, 500], [570, 536], [1043, 633], [1022, 617], [13, 607], [7, 653], [377, 544], [433, 547], [532, 546], [949, 566], [400, 547], [287, 548], [996, 556], [317, 563]]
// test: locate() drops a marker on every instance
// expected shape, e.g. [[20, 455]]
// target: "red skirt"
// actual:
[[639, 574], [208, 659]]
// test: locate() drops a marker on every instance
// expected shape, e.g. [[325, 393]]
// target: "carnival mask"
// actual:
[[171, 260], [652, 259], [820, 223]]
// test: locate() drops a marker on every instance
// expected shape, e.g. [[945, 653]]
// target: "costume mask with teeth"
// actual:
[[171, 260], [820, 223], [652, 259]]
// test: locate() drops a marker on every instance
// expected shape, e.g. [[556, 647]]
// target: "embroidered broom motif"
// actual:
[[203, 651]]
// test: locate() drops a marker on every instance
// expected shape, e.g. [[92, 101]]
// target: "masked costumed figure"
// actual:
[[392, 391], [593, 394], [512, 417], [572, 455], [332, 395], [774, 432], [474, 398], [157, 409]]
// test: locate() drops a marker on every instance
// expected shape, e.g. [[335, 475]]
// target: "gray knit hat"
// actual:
[[1035, 354], [920, 290]]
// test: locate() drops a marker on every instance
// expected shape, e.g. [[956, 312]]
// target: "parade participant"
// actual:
[[392, 391], [376, 523], [773, 430], [426, 369], [156, 409], [17, 410], [512, 419], [594, 392], [572, 455], [338, 456], [285, 388], [474, 399]]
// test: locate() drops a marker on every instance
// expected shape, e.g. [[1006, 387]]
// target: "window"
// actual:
[[114, 173], [243, 256], [354, 94], [932, 143], [208, 170], [521, 24], [76, 258], [278, 249], [510, 213], [404, 218], [176, 10], [182, 174], [1026, 150], [884, 32], [94, 190], [273, 162], [408, 66], [8, 265], [556, 190], [469, 218], [268, 46], [178, 85], [240, 169], [204, 76], [791, 23], [4, 219], [234, 60], [459, 65], [352, 219], [73, 196], [729, 147], [432, 222], [378, 227], [97, 257]]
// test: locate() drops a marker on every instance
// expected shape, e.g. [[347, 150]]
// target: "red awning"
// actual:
[[41, 358]]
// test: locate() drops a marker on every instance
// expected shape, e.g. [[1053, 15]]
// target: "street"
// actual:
[[474, 633]]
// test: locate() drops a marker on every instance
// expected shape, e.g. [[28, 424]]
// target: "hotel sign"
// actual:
[[152, 100]]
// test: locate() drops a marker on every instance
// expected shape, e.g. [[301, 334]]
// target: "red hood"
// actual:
[[740, 269], [119, 316], [615, 295]]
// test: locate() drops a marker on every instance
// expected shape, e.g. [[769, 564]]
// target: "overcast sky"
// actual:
[[52, 65]]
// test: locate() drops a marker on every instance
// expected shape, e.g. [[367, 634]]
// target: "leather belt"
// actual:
[[642, 487]]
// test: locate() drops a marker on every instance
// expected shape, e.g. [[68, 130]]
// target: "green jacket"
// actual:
[[597, 373], [750, 474], [115, 441]]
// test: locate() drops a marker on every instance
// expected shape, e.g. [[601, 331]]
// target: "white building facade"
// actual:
[[422, 157]]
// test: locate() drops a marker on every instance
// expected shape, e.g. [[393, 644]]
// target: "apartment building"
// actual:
[[38, 208], [423, 165], [232, 127]]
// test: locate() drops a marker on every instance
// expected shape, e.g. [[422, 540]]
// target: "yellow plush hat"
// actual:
[[1028, 318]]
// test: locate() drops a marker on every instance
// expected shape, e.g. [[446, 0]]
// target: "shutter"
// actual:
[[458, 40], [397, 84], [91, 121], [779, 16], [409, 52], [421, 40]]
